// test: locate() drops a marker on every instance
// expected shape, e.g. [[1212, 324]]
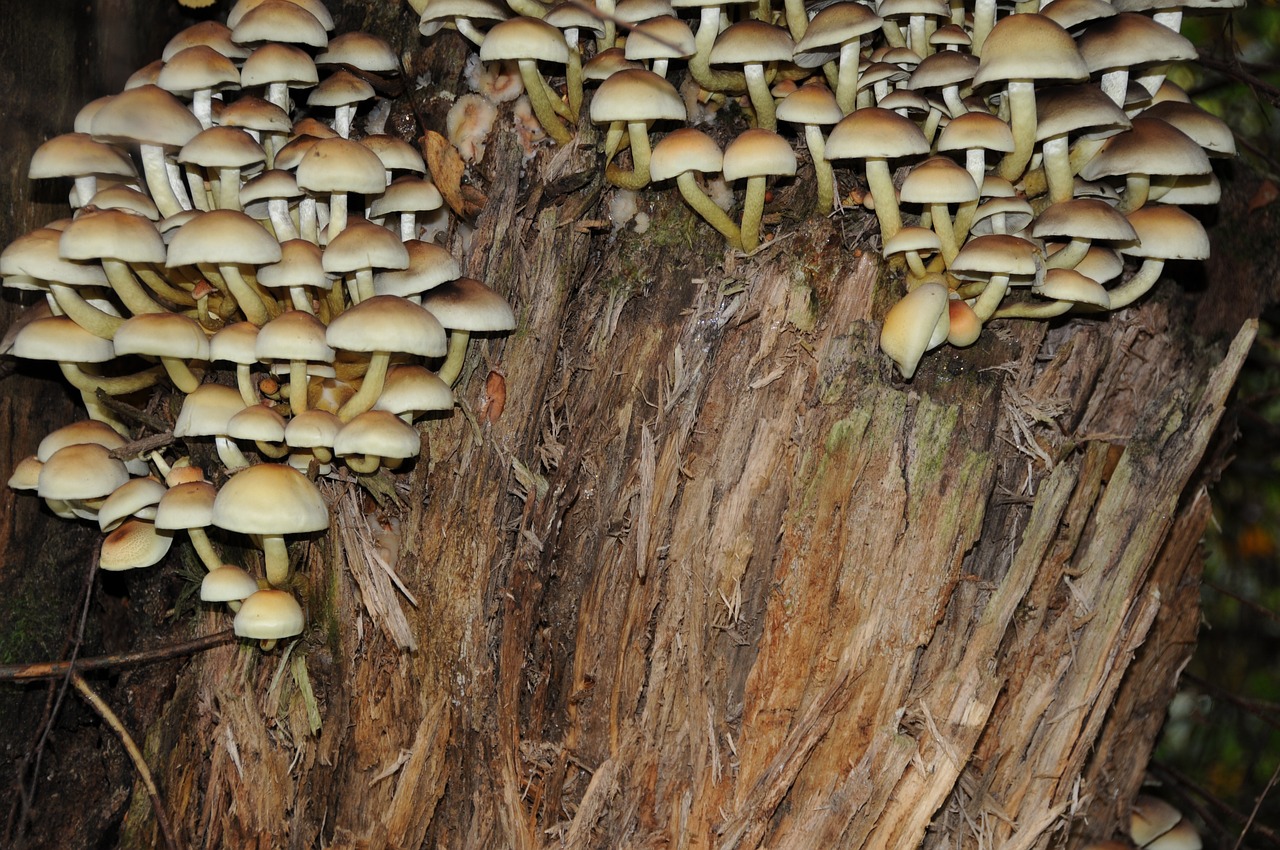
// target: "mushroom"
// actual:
[[271, 500], [877, 135], [756, 155], [681, 154], [529, 40]]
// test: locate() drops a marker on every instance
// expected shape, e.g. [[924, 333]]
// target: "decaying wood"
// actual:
[[708, 575]]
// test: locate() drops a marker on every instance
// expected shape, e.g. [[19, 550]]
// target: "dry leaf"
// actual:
[[447, 169], [1266, 194]]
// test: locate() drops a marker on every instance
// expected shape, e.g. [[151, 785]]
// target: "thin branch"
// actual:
[[1271, 783], [139, 763], [1248, 603], [1237, 72], [54, 669]]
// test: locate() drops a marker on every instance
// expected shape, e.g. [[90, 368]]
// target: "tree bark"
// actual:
[[690, 567]]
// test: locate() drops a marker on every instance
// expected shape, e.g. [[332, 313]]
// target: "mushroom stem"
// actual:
[[120, 385], [1022, 121], [200, 542], [821, 168], [156, 173], [84, 314], [1028, 310], [542, 108], [700, 62], [761, 97], [847, 75], [752, 212], [250, 304], [180, 374], [276, 556], [370, 387], [297, 386], [244, 382], [452, 366], [638, 177], [1136, 189], [1069, 255], [363, 464], [705, 207], [1138, 285], [1057, 168], [230, 455], [126, 286], [989, 301], [880, 182]]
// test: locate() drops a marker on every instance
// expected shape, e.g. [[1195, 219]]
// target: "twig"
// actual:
[[1248, 603], [1271, 783], [1188, 787], [1235, 71], [139, 763], [128, 411], [140, 447], [35, 756], [54, 669]]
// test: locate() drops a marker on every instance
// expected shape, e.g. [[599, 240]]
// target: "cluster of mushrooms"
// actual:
[[267, 268], [271, 268], [1043, 145], [1155, 825]]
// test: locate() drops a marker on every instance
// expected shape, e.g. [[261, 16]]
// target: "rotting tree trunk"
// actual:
[[692, 568]]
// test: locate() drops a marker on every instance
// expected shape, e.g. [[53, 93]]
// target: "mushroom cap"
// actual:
[[315, 7], [976, 130], [752, 42], [228, 583], [133, 544], [411, 389], [1029, 47], [36, 254], [1071, 285], [942, 69], [360, 50], [661, 37], [312, 428], [1083, 218], [524, 38], [279, 63], [341, 165], [293, 335], [685, 149], [1150, 818], [73, 154], [195, 68], [59, 338], [1130, 39], [836, 24], [26, 474], [377, 432], [187, 505], [257, 422], [909, 326], [1149, 146], [269, 614], [341, 88], [206, 412], [1070, 109], [396, 154], [364, 245], [758, 153], [636, 94], [299, 265], [80, 471], [235, 343], [162, 335], [467, 304], [114, 234], [222, 147], [1167, 233], [429, 266], [388, 323], [279, 21], [146, 115], [407, 194], [125, 198], [222, 237], [938, 180], [212, 33], [912, 238], [270, 498], [875, 133], [812, 103], [996, 253], [254, 113]]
